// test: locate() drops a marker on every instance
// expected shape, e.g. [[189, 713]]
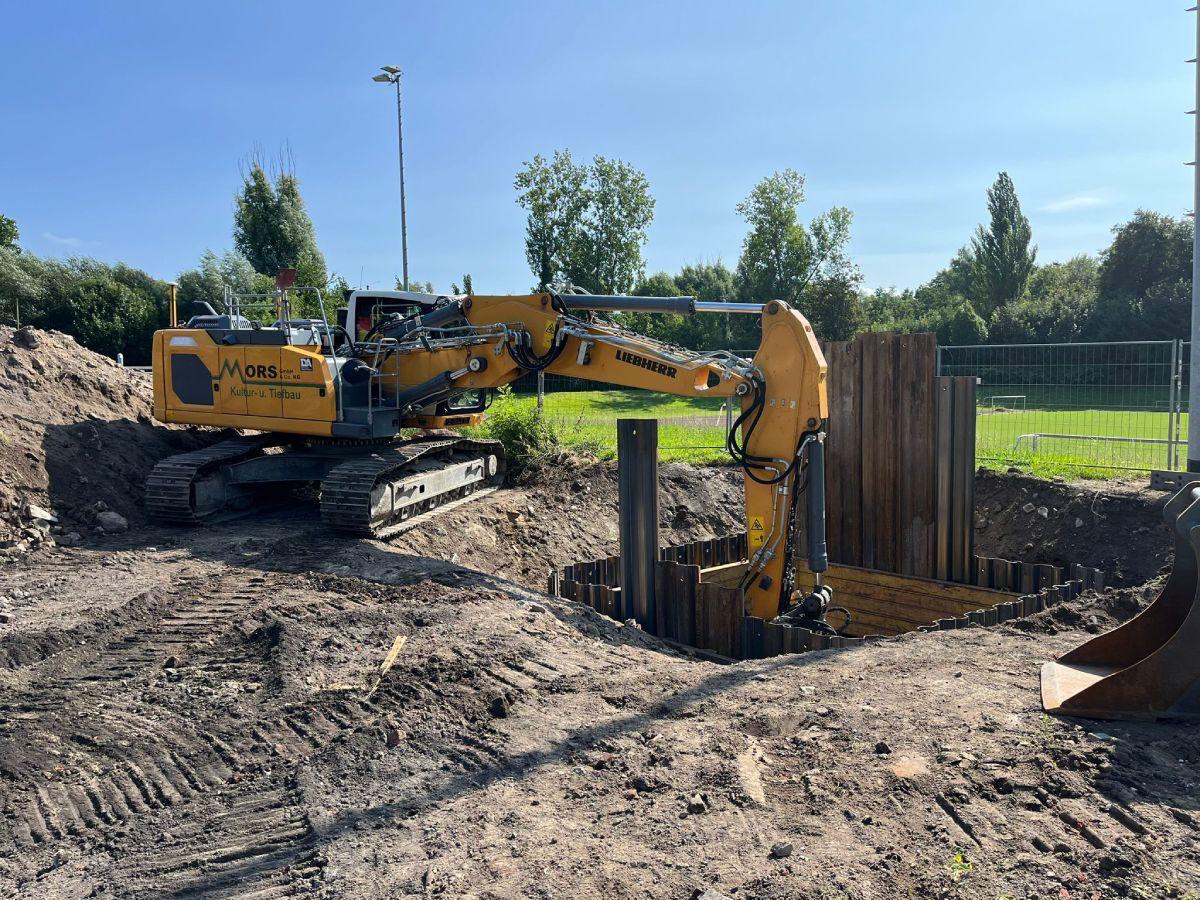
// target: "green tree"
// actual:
[[22, 286], [272, 229], [108, 309], [932, 307], [779, 256], [415, 285], [663, 327], [9, 233], [110, 317], [467, 287], [586, 223], [1144, 279], [1002, 253], [208, 283], [1058, 306], [833, 307], [711, 282], [614, 225], [715, 283], [552, 193]]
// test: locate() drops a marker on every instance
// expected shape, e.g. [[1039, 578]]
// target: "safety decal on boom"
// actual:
[[758, 534], [548, 337]]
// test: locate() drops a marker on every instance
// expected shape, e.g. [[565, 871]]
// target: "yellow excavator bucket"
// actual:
[[1149, 667]]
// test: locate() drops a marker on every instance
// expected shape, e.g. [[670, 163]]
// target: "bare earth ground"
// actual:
[[200, 714]]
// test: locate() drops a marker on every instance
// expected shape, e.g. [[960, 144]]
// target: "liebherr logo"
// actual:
[[648, 364]]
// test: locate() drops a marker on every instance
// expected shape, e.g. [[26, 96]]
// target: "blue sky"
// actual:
[[123, 123]]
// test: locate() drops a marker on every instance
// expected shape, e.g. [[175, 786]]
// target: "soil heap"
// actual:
[[76, 440]]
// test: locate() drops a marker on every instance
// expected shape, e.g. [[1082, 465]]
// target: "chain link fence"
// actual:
[[1090, 406]]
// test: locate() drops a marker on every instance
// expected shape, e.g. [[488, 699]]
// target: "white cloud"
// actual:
[[1071, 204], [65, 241]]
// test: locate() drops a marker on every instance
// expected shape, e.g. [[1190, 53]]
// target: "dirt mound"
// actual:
[[569, 514], [1093, 611], [76, 439], [1115, 526]]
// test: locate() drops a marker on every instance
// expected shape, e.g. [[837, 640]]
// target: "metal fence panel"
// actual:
[[1119, 406], [1078, 406]]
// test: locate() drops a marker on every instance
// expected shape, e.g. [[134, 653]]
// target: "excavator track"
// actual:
[[392, 490], [170, 495]]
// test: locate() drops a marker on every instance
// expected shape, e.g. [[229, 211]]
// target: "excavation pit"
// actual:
[[697, 602]]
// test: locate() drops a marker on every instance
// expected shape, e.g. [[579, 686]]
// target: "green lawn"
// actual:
[[689, 429], [693, 430], [997, 434]]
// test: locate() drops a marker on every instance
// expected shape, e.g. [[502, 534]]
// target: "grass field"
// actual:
[[689, 430], [694, 431]]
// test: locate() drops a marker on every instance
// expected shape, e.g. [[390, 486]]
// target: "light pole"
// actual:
[[1193, 454], [391, 75]]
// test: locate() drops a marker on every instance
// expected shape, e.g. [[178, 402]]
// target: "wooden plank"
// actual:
[[612, 602], [1047, 576], [916, 489], [980, 571], [843, 453], [932, 587], [729, 612], [727, 575], [887, 444], [964, 477], [670, 616], [878, 617], [906, 603], [878, 444], [833, 350], [773, 637], [752, 637], [944, 473]]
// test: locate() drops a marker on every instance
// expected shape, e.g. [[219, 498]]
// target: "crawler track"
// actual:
[[169, 488], [351, 490], [348, 492]]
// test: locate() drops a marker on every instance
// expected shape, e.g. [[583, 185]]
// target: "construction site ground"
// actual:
[[204, 713]]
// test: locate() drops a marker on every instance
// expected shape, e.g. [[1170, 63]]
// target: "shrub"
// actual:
[[527, 436]]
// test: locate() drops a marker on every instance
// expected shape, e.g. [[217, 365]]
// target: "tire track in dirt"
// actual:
[[85, 756], [103, 759], [257, 844]]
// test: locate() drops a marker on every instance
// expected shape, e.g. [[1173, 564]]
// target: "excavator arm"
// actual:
[[480, 342]]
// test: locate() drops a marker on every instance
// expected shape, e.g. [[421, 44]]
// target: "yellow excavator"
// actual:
[[327, 404]]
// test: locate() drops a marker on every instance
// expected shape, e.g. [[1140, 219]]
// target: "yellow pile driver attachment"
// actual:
[[1149, 667]]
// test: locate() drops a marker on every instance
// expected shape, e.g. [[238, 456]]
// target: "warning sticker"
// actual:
[[548, 338], [757, 533]]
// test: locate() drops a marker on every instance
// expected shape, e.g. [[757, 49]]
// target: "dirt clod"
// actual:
[[781, 850]]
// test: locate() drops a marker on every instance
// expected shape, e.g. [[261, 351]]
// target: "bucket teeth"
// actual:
[[1148, 667]]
